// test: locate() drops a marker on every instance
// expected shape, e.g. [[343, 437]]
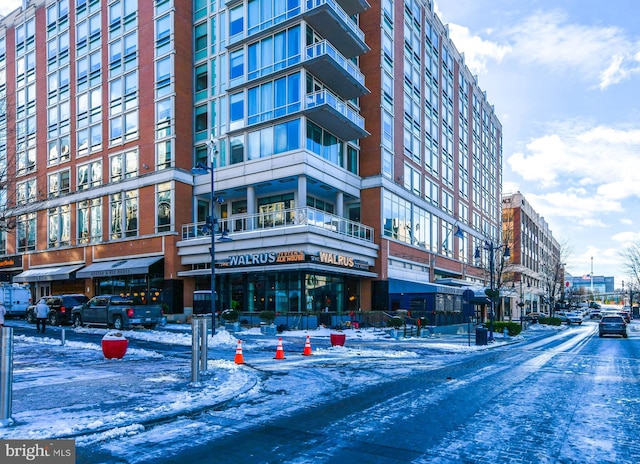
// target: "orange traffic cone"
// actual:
[[307, 348], [239, 359], [279, 350]]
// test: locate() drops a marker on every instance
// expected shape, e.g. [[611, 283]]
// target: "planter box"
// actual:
[[338, 339], [232, 326], [268, 329], [114, 345]]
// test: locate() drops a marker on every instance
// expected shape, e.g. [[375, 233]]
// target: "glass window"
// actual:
[[236, 106], [200, 37], [164, 207], [236, 21], [89, 221], [201, 122], [236, 64]]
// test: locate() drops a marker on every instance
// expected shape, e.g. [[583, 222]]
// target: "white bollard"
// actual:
[[6, 375], [204, 344], [195, 349]]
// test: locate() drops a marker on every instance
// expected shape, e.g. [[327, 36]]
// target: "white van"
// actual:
[[15, 298]]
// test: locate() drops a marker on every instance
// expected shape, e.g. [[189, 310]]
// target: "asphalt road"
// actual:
[[568, 398]]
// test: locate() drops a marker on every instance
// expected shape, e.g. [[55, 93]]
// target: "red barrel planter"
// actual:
[[114, 346], [338, 339]]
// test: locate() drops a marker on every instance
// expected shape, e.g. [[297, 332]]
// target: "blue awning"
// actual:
[[404, 286]]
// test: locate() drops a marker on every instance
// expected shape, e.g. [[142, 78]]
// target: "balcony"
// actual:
[[341, 75], [326, 16], [331, 21], [353, 7], [297, 217], [333, 114]]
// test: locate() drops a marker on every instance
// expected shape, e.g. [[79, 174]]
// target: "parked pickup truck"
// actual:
[[116, 311]]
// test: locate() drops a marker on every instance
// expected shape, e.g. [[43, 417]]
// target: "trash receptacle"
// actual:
[[481, 335]]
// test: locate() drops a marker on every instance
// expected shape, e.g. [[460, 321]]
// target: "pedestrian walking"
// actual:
[[3, 311], [42, 312]]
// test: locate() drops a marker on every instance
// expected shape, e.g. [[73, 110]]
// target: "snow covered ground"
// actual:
[[72, 391]]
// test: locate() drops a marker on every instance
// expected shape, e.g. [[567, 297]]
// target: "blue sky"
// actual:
[[563, 77]]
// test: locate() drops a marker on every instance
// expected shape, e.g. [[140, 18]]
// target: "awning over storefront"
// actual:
[[47, 274], [119, 267], [403, 286]]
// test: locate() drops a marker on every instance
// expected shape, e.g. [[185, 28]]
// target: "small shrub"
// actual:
[[268, 316], [395, 322], [230, 315], [513, 327], [550, 320]]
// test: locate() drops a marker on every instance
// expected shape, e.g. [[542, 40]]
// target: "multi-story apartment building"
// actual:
[[536, 271], [432, 167], [354, 159], [92, 179]]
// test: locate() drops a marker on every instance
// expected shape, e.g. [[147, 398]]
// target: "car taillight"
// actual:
[[63, 309], [130, 312]]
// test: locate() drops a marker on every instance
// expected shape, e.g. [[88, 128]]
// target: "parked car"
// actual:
[[612, 325], [595, 314], [534, 316], [574, 318], [118, 312], [626, 315], [60, 307]]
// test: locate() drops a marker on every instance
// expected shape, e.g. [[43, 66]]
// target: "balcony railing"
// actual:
[[325, 48], [310, 217], [337, 9], [325, 97]]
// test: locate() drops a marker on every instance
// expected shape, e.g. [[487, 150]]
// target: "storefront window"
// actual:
[[142, 288], [285, 292]]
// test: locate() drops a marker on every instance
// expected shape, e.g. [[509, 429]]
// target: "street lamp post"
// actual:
[[492, 292], [210, 224], [521, 305]]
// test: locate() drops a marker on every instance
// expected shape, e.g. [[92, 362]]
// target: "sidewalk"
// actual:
[[72, 390]]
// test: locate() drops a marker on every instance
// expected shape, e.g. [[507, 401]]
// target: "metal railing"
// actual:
[[295, 217], [325, 48], [325, 97]]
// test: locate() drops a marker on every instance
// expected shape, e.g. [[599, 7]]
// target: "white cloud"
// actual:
[[597, 53], [8, 6], [477, 51], [602, 160], [627, 238], [574, 205]]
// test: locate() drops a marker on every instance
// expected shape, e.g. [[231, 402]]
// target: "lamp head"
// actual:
[[225, 237], [199, 169]]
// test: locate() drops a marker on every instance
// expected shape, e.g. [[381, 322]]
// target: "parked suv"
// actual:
[[60, 306]]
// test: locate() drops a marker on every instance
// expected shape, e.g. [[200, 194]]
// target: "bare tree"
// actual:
[[631, 264], [552, 276], [9, 207]]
